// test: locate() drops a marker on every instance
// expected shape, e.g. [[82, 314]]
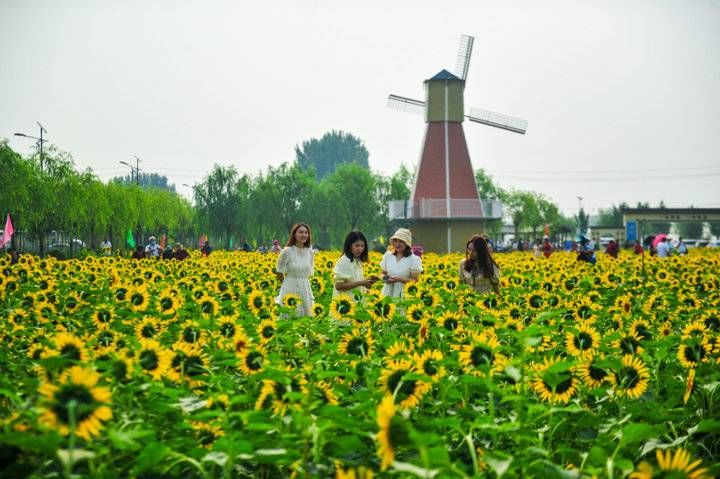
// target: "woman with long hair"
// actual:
[[479, 269], [399, 266], [295, 265], [348, 272]]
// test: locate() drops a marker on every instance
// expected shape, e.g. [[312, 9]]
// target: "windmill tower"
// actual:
[[444, 207]]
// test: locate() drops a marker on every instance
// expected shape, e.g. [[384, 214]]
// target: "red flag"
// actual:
[[7, 232], [163, 240]]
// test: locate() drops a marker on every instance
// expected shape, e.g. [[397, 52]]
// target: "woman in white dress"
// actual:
[[399, 266], [348, 272], [295, 265]]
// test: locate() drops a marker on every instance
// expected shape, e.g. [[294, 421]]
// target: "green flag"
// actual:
[[130, 240], [231, 242]]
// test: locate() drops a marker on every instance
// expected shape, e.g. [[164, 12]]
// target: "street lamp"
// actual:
[[134, 170], [40, 141]]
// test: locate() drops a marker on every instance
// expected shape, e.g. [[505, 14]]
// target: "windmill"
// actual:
[[445, 190]]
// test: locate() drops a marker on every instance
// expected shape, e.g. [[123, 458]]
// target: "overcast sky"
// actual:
[[622, 97]]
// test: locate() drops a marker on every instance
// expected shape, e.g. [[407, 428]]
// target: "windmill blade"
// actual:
[[498, 120], [408, 105], [462, 64]]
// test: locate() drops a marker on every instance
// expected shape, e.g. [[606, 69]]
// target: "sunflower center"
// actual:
[[481, 356], [357, 346], [227, 330], [191, 335], [343, 307], [166, 303], [254, 361], [268, 332], [84, 403], [149, 360], [430, 368], [148, 331], [629, 345], [598, 374], [629, 377], [137, 299], [450, 324], [70, 351], [407, 388], [583, 341]]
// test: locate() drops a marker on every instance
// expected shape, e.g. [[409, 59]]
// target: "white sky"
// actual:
[[622, 97]]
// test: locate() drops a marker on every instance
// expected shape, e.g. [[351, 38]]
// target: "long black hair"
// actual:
[[483, 259], [352, 237]]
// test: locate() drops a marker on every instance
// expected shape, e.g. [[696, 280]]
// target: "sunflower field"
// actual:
[[119, 368]]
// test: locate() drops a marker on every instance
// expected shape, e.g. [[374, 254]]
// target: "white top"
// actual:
[[663, 249], [346, 270], [297, 264], [402, 269]]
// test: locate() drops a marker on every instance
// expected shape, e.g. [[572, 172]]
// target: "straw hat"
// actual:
[[403, 235]]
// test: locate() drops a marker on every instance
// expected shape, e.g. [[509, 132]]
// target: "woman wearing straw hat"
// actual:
[[400, 265]]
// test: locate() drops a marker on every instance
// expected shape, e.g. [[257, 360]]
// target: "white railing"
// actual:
[[437, 208]]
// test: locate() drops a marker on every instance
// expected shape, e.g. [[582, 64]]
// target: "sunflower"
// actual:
[[676, 464], [356, 343], [428, 298], [240, 341], [318, 310], [206, 433], [556, 387], [69, 347], [191, 333], [393, 432], [590, 373], [400, 349], [693, 352], [342, 307], [689, 385], [641, 328], [252, 359], [209, 307], [353, 472], [103, 316], [45, 311], [480, 357], [76, 401], [628, 344], [266, 330], [381, 310], [450, 320], [139, 299], [291, 300], [416, 313], [153, 358], [256, 301], [169, 303], [149, 328], [694, 330], [423, 332], [188, 363], [326, 393], [72, 302], [429, 364], [631, 379], [583, 342]]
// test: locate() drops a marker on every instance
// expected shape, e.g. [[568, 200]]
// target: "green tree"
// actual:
[[487, 189], [690, 230], [333, 149], [582, 222], [523, 210], [290, 183], [612, 216], [387, 189], [145, 180], [218, 201], [358, 205]]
